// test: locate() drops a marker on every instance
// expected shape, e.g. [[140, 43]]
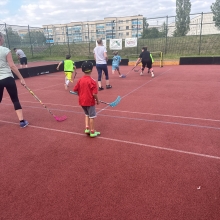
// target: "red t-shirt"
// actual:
[[86, 87]]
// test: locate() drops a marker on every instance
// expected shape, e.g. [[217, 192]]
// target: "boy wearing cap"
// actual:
[[86, 88]]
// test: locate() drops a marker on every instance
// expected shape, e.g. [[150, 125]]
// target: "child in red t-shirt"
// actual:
[[87, 90]]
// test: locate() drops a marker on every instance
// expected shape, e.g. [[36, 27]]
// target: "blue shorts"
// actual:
[[115, 67]]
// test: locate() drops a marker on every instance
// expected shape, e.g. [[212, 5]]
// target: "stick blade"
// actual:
[[123, 76], [116, 102], [60, 119], [73, 93]]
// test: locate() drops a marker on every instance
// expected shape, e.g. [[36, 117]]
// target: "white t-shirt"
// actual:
[[20, 53], [99, 53], [5, 70]]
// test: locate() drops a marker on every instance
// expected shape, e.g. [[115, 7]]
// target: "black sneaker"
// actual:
[[108, 86], [101, 88]]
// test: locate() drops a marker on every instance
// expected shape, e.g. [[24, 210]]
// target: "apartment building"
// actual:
[[109, 28], [203, 22], [199, 24], [115, 27]]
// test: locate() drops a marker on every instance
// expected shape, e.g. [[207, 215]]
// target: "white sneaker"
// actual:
[[141, 73], [152, 74]]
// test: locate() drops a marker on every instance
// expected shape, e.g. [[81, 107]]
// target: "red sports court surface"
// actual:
[[158, 156]]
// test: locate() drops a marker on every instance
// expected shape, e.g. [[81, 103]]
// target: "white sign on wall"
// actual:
[[130, 42], [115, 44]]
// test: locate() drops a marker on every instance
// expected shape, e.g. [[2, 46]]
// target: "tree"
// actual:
[[183, 8], [145, 27], [12, 39], [151, 32], [215, 7], [37, 37]]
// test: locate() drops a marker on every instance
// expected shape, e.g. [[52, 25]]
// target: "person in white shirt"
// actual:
[[7, 80], [101, 58], [21, 57]]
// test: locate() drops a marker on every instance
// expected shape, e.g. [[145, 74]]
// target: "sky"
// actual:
[[42, 12]]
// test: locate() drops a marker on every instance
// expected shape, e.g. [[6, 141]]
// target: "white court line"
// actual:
[[128, 118], [135, 90], [121, 111], [123, 141]]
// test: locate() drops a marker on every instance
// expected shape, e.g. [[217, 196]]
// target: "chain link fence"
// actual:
[[79, 38]]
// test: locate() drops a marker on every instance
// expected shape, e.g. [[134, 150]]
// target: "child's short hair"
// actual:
[[99, 41], [116, 52], [68, 56], [144, 48], [87, 66]]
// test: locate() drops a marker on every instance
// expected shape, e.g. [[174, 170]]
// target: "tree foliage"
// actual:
[[152, 32], [37, 37], [183, 8], [215, 7], [12, 38]]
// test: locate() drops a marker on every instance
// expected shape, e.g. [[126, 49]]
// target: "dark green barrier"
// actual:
[[47, 69]]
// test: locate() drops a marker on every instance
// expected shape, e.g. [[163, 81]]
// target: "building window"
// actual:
[[127, 33], [127, 27]]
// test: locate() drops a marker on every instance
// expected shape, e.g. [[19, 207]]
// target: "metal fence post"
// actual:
[[30, 41], [88, 39], [6, 30], [48, 39], [137, 35], [67, 34], [200, 37], [112, 29], [165, 51]]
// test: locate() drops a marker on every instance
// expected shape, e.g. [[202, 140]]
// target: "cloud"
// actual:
[[39, 12], [2, 3]]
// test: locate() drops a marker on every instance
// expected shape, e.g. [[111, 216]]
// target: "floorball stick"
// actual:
[[112, 104], [124, 76], [62, 118]]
